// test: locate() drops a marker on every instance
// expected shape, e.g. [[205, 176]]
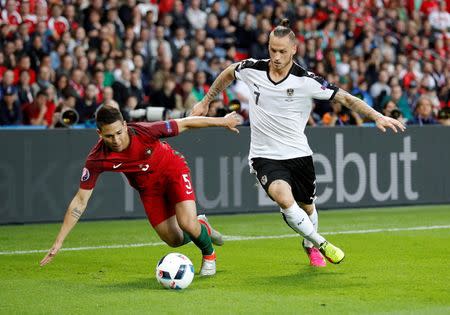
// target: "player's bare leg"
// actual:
[[186, 213], [170, 232], [298, 220]]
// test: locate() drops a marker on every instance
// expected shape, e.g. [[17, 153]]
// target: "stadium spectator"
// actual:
[[380, 88], [7, 82], [10, 109], [24, 90], [185, 97], [57, 24], [423, 113], [87, 106], [122, 86], [195, 16], [400, 100], [344, 42], [258, 49], [439, 18], [166, 97], [37, 113], [201, 87], [412, 94], [24, 64], [216, 108]]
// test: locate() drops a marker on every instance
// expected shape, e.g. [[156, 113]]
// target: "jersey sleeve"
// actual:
[[239, 72], [161, 129], [89, 176], [319, 88]]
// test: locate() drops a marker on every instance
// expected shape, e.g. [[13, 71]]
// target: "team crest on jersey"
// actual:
[[290, 92], [264, 180], [85, 175], [168, 127], [325, 85]]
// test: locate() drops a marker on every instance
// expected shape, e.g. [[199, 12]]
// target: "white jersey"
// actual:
[[280, 110]]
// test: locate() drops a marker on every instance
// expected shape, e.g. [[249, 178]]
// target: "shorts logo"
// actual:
[[148, 151], [85, 175], [264, 180], [290, 92]]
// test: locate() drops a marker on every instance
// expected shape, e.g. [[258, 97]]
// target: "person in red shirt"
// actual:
[[10, 14], [157, 172], [24, 65], [38, 113], [57, 23]]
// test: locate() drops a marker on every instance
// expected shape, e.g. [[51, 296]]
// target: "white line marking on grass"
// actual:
[[415, 228], [73, 249], [228, 238]]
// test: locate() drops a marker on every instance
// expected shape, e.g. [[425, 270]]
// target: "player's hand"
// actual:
[[232, 120], [199, 109], [51, 253], [384, 122]]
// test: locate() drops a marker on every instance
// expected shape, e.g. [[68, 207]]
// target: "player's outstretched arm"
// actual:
[[361, 107], [220, 83], [73, 213], [230, 121]]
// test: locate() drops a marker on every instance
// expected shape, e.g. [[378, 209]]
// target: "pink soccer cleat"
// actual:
[[315, 257]]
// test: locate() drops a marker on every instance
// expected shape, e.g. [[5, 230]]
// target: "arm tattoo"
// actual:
[[220, 84], [355, 104], [76, 213]]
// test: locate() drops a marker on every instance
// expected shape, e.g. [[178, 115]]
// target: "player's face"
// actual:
[[281, 51], [115, 136]]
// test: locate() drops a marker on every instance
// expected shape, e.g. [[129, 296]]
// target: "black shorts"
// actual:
[[298, 173]]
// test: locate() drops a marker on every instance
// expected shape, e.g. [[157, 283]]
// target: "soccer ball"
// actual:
[[175, 271]]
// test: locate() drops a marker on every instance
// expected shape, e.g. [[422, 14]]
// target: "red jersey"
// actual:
[[145, 155]]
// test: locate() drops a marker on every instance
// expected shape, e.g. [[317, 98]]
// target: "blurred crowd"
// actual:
[[61, 60]]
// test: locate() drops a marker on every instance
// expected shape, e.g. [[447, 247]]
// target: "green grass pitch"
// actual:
[[395, 264]]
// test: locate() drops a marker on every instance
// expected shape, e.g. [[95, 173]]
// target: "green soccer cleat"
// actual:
[[334, 254]]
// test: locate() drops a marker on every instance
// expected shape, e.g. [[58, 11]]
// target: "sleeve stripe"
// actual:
[[336, 89]]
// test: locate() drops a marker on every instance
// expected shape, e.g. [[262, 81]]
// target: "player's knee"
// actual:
[[283, 198], [281, 193], [190, 226]]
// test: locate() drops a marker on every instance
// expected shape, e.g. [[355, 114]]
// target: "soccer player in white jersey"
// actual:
[[282, 94]]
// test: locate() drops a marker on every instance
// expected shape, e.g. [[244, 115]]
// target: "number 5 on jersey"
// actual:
[[187, 183]]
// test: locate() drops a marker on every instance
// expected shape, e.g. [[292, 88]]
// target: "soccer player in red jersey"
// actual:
[[157, 172]]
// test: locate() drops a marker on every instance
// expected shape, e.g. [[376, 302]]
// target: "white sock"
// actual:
[[299, 221], [315, 221]]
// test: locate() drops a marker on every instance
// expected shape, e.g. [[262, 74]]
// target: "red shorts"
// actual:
[[164, 190]]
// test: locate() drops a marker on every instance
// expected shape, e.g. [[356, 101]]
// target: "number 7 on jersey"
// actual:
[[257, 97]]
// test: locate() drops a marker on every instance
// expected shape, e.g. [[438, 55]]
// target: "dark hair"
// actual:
[[283, 30], [107, 115], [41, 93]]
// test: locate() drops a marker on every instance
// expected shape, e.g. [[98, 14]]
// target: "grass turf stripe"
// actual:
[[228, 238]]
